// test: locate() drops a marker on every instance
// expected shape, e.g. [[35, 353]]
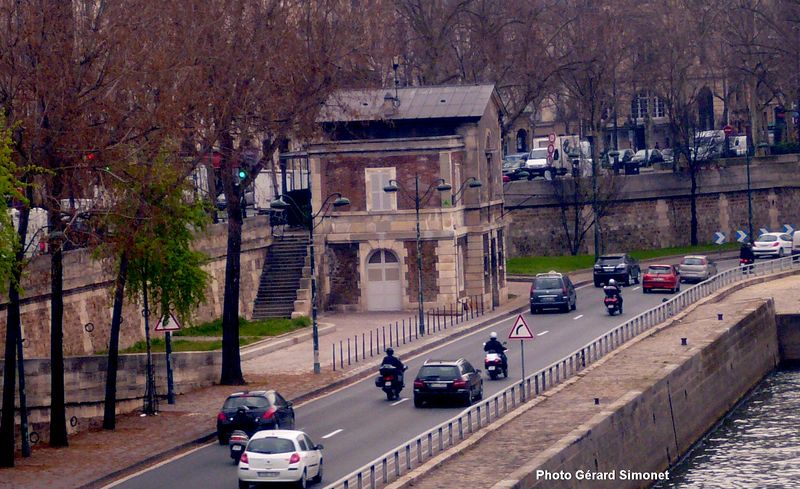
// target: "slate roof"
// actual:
[[456, 101]]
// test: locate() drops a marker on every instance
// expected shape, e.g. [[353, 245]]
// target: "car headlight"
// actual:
[[621, 266], [598, 267]]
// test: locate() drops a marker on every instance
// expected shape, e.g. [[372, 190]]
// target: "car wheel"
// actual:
[[318, 478], [467, 399], [566, 307], [780, 252], [303, 483], [597, 284], [417, 402], [480, 392], [678, 287], [629, 279], [638, 278], [244, 485], [533, 310], [222, 439], [574, 304], [645, 291]]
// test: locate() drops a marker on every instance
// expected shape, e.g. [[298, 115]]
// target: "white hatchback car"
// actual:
[[773, 244], [280, 456]]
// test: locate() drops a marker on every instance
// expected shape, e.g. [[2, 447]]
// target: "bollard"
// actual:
[[451, 316], [404, 331], [333, 347], [390, 335]]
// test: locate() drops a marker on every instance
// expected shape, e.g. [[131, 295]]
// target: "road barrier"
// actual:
[[404, 331], [410, 455]]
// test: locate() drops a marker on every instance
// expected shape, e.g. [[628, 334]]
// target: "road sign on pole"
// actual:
[[521, 331], [551, 138], [788, 228], [720, 238], [741, 236], [728, 130], [168, 323]]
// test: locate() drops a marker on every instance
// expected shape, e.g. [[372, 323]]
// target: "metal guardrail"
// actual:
[[410, 455]]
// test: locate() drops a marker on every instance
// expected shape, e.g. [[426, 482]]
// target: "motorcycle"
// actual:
[[494, 365], [237, 443], [612, 302], [390, 381], [746, 265]]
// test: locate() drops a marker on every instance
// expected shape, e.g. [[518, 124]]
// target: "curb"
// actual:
[[269, 345], [355, 376]]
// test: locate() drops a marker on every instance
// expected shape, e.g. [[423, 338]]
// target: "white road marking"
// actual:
[[543, 333], [636, 288], [398, 402], [578, 316], [332, 433]]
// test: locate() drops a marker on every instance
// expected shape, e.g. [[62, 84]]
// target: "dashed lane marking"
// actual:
[[543, 333], [398, 402], [332, 433], [578, 316]]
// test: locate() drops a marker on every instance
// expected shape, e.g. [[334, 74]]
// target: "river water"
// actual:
[[756, 446]]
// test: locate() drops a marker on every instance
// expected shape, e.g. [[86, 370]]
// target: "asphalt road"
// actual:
[[357, 424]]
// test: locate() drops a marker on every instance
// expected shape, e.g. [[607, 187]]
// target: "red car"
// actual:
[[661, 277]]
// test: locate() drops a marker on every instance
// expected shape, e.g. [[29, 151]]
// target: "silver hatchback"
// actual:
[[696, 268]]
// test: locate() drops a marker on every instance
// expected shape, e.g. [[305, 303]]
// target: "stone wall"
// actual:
[[88, 288], [653, 210], [789, 338], [430, 275], [84, 383]]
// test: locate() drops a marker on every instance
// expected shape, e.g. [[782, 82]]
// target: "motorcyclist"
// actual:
[[614, 290], [495, 346], [241, 421], [746, 253], [392, 360]]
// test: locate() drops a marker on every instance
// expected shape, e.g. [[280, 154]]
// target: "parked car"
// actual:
[[447, 380], [622, 155], [538, 165], [621, 267], [796, 243], [646, 157], [280, 456], [669, 156], [553, 290], [773, 244], [697, 268], [661, 277], [514, 166], [267, 409]]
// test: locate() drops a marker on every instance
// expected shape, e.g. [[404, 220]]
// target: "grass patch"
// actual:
[[158, 345], [260, 328], [531, 265]]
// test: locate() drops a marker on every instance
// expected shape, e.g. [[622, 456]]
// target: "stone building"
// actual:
[[368, 252]]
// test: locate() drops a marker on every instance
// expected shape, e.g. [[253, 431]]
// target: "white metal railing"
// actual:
[[404, 458]]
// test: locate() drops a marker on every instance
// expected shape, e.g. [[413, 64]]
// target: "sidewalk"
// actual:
[[96, 457]]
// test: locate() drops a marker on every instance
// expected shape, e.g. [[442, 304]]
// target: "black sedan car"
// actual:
[[447, 380], [623, 268], [265, 410], [514, 166]]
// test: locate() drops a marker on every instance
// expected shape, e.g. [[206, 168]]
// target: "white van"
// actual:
[[796, 243], [739, 145]]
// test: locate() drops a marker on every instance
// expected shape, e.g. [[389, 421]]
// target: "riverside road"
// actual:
[[357, 424]]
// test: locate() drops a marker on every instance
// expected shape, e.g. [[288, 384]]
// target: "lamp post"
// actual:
[[470, 182], [442, 186], [281, 204]]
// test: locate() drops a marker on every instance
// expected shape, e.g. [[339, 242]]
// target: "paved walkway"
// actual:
[[524, 435], [141, 441]]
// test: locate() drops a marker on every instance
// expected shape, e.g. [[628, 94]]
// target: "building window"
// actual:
[[639, 106], [646, 103], [377, 198]]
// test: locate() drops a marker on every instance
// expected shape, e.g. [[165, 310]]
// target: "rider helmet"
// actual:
[[390, 351], [493, 335], [612, 282]]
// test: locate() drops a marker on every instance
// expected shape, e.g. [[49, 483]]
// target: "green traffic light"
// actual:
[[242, 174]]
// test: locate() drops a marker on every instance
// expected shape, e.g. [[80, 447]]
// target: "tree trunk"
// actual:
[[231, 362], [58, 415], [110, 407], [693, 205]]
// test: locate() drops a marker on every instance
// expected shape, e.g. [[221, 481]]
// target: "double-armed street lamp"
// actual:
[[308, 220], [442, 186]]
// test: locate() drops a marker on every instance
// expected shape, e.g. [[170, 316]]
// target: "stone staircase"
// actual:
[[283, 279]]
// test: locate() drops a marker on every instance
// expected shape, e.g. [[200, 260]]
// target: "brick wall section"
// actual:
[[430, 285], [345, 174], [342, 270], [88, 289]]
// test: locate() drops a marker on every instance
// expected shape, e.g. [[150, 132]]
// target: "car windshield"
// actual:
[[693, 261], [666, 152], [444, 372], [610, 260], [547, 283], [271, 445], [768, 238], [252, 402], [538, 154], [658, 270]]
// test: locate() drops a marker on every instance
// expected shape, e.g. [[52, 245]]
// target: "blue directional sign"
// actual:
[[788, 228], [762, 231], [720, 238], [741, 236]]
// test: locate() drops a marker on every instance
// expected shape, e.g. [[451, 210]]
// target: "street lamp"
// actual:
[[470, 182], [308, 217], [442, 186]]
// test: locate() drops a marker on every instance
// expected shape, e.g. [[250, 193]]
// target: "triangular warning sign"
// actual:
[[168, 323], [520, 330]]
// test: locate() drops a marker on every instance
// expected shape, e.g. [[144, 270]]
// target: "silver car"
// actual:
[[696, 268]]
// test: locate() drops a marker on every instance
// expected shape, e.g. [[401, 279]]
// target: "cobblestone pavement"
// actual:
[[96, 453], [506, 448]]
